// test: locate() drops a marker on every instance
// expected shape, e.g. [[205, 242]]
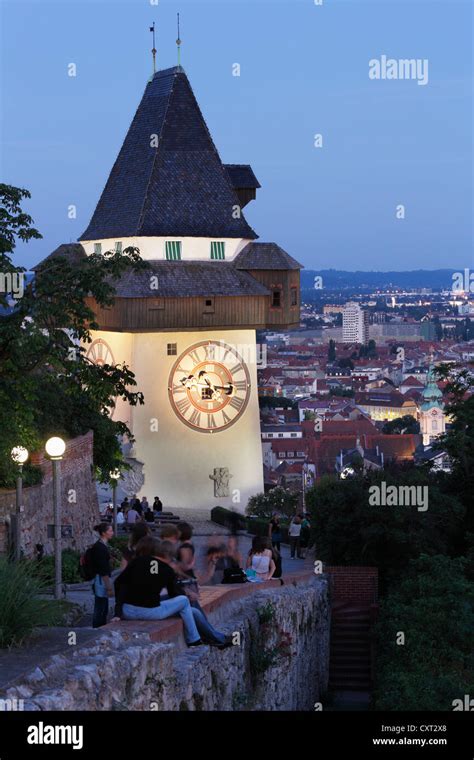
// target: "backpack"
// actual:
[[234, 575], [86, 566]]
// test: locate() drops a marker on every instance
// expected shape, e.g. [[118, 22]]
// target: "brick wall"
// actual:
[[353, 584], [80, 508]]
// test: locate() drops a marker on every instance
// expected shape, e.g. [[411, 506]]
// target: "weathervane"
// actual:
[[178, 42], [153, 51]]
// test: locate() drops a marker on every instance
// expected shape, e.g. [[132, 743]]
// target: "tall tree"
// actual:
[[47, 384]]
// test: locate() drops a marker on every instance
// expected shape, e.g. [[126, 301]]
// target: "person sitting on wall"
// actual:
[[149, 515], [138, 531], [170, 533], [138, 589], [189, 586], [260, 564]]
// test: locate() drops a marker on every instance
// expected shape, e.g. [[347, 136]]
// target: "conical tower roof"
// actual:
[[431, 394], [168, 179]]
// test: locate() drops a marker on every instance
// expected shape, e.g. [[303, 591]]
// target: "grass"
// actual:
[[21, 607]]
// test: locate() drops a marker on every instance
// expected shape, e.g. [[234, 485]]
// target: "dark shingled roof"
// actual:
[[189, 278], [179, 188], [242, 176], [265, 256], [74, 252]]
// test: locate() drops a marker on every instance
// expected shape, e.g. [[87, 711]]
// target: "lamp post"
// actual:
[[19, 455], [114, 476], [55, 448]]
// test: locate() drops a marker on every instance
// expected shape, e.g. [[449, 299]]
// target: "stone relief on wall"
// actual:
[[221, 478]]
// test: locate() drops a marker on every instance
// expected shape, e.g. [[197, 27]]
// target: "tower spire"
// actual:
[[178, 43], [153, 50]]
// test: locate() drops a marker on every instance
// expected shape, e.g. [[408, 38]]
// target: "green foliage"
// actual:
[[276, 500], [459, 439], [258, 526], [44, 569], [347, 530], [21, 608], [406, 424], [266, 613], [228, 518], [433, 606], [47, 384]]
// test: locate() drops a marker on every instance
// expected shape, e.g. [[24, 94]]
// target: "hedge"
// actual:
[[228, 518]]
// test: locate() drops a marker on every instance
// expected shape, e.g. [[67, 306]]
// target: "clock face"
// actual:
[[100, 353], [209, 386]]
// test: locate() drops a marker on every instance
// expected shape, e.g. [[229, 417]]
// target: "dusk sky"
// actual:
[[304, 71]]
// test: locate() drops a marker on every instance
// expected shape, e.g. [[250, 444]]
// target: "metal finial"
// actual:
[[153, 51], [178, 43]]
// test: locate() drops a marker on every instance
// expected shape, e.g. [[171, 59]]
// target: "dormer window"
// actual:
[[98, 248], [173, 250], [217, 250]]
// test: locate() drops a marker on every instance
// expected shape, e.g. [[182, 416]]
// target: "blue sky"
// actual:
[[304, 70]]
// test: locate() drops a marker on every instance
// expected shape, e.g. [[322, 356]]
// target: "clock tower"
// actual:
[[186, 326], [432, 417]]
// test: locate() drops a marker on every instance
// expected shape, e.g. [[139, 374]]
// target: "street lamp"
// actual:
[[114, 476], [55, 448], [19, 455]]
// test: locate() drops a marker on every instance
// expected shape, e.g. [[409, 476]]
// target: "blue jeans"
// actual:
[[101, 609], [178, 605], [208, 633]]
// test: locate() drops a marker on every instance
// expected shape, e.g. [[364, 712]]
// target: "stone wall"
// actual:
[[281, 662], [80, 508]]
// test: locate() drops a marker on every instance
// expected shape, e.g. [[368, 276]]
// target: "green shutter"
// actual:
[[173, 250], [97, 248], [217, 250], [118, 247]]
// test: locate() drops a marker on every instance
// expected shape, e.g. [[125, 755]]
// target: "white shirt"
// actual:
[[294, 529]]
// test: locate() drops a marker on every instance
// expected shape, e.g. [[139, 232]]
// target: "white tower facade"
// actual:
[[355, 324]]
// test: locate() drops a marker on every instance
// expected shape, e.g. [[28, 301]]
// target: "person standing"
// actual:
[[274, 531], [102, 587], [157, 505], [144, 504], [294, 533], [305, 534]]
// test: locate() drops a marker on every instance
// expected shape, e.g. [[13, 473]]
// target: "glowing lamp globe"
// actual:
[[19, 454], [115, 474], [55, 447]]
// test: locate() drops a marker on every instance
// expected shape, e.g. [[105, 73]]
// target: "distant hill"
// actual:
[[338, 279]]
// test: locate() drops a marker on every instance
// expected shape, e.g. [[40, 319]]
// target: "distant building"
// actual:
[[383, 406], [355, 324], [432, 417]]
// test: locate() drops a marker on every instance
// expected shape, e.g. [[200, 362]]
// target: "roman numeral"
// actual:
[[195, 418], [99, 349], [183, 406], [194, 356], [226, 418], [240, 385], [237, 403], [178, 389], [211, 423], [210, 352], [237, 368]]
